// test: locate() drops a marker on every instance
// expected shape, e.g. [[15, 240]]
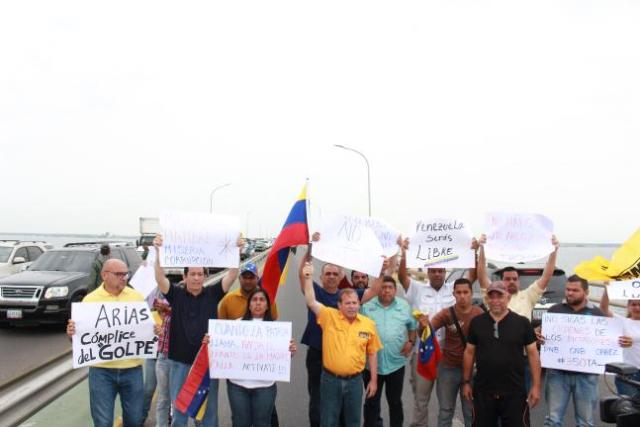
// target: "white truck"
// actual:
[[149, 227]]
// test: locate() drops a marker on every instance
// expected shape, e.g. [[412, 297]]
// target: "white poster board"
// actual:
[[441, 243], [349, 242], [195, 239], [580, 343], [112, 331], [144, 279], [517, 237], [624, 289], [249, 350]]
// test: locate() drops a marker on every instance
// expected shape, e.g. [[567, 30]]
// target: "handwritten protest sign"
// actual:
[[580, 343], [517, 237], [624, 289], [199, 239], [112, 331], [249, 350], [441, 243], [349, 242], [144, 279]]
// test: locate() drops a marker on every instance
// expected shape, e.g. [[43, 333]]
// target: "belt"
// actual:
[[342, 377]]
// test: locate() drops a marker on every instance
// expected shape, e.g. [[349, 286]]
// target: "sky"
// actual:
[[113, 111]]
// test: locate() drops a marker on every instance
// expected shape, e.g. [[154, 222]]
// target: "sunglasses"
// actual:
[[496, 335]]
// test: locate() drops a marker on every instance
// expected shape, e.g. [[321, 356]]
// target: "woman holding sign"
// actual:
[[253, 401], [630, 341]]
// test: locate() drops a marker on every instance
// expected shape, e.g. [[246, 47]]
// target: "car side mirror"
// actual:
[[19, 260]]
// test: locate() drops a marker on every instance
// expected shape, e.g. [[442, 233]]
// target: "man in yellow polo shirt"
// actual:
[[235, 303], [348, 341], [108, 379]]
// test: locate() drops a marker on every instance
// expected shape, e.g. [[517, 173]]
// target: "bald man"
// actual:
[[108, 379]]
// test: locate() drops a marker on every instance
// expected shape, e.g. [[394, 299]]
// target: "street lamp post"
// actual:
[[368, 172], [211, 195]]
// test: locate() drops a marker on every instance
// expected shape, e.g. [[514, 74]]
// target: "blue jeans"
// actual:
[[251, 406], [559, 386], [628, 389], [163, 399], [340, 394], [448, 387], [179, 372], [105, 384], [149, 385]]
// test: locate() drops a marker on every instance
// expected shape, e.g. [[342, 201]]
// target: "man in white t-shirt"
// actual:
[[429, 298]]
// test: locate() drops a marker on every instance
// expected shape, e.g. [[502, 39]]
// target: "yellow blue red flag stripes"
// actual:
[[294, 232], [195, 389], [428, 354], [624, 264]]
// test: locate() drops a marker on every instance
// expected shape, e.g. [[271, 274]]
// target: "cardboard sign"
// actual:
[[441, 243], [195, 239], [349, 242], [624, 289], [249, 350], [112, 331], [517, 237], [580, 343]]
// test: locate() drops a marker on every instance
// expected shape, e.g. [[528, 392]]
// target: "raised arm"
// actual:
[[547, 274], [403, 274], [161, 279], [481, 264], [472, 273], [309, 293], [373, 291], [604, 301], [304, 259], [233, 273]]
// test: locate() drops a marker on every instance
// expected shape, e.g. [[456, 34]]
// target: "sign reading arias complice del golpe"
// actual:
[[111, 331]]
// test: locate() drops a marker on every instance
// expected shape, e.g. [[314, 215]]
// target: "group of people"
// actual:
[[361, 337]]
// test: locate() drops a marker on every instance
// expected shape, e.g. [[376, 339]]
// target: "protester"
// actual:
[[456, 320], [358, 281], [427, 298], [123, 377], [95, 276], [561, 385], [252, 402], [396, 327], [328, 295], [234, 304], [496, 342], [192, 305], [348, 340], [522, 301], [630, 341]]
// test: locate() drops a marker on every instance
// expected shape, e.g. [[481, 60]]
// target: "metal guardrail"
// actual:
[[26, 394]]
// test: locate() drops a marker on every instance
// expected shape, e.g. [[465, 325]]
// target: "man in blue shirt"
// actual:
[[397, 330]]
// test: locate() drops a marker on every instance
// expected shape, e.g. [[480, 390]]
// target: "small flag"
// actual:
[[429, 353], [195, 389]]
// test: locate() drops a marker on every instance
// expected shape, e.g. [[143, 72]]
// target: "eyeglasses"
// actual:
[[120, 274], [496, 335]]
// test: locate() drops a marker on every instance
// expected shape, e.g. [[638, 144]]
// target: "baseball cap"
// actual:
[[249, 268], [497, 286]]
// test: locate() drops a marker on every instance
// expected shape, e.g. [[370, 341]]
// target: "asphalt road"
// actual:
[[24, 348]]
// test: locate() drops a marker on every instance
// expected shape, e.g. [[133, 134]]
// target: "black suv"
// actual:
[[44, 292]]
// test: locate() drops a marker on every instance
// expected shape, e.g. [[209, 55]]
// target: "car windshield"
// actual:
[[64, 261], [4, 254]]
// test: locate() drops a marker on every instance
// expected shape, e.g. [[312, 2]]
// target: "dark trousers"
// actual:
[[510, 409], [393, 391]]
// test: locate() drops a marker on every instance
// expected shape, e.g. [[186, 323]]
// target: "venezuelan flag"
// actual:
[[195, 389], [294, 232], [428, 354]]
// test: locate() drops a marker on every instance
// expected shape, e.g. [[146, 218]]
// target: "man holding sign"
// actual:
[[560, 384], [191, 308], [123, 377]]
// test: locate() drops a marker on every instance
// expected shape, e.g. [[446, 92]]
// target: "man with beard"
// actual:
[[359, 280], [560, 385], [496, 341]]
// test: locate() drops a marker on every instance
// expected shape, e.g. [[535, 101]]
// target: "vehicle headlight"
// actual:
[[56, 292]]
